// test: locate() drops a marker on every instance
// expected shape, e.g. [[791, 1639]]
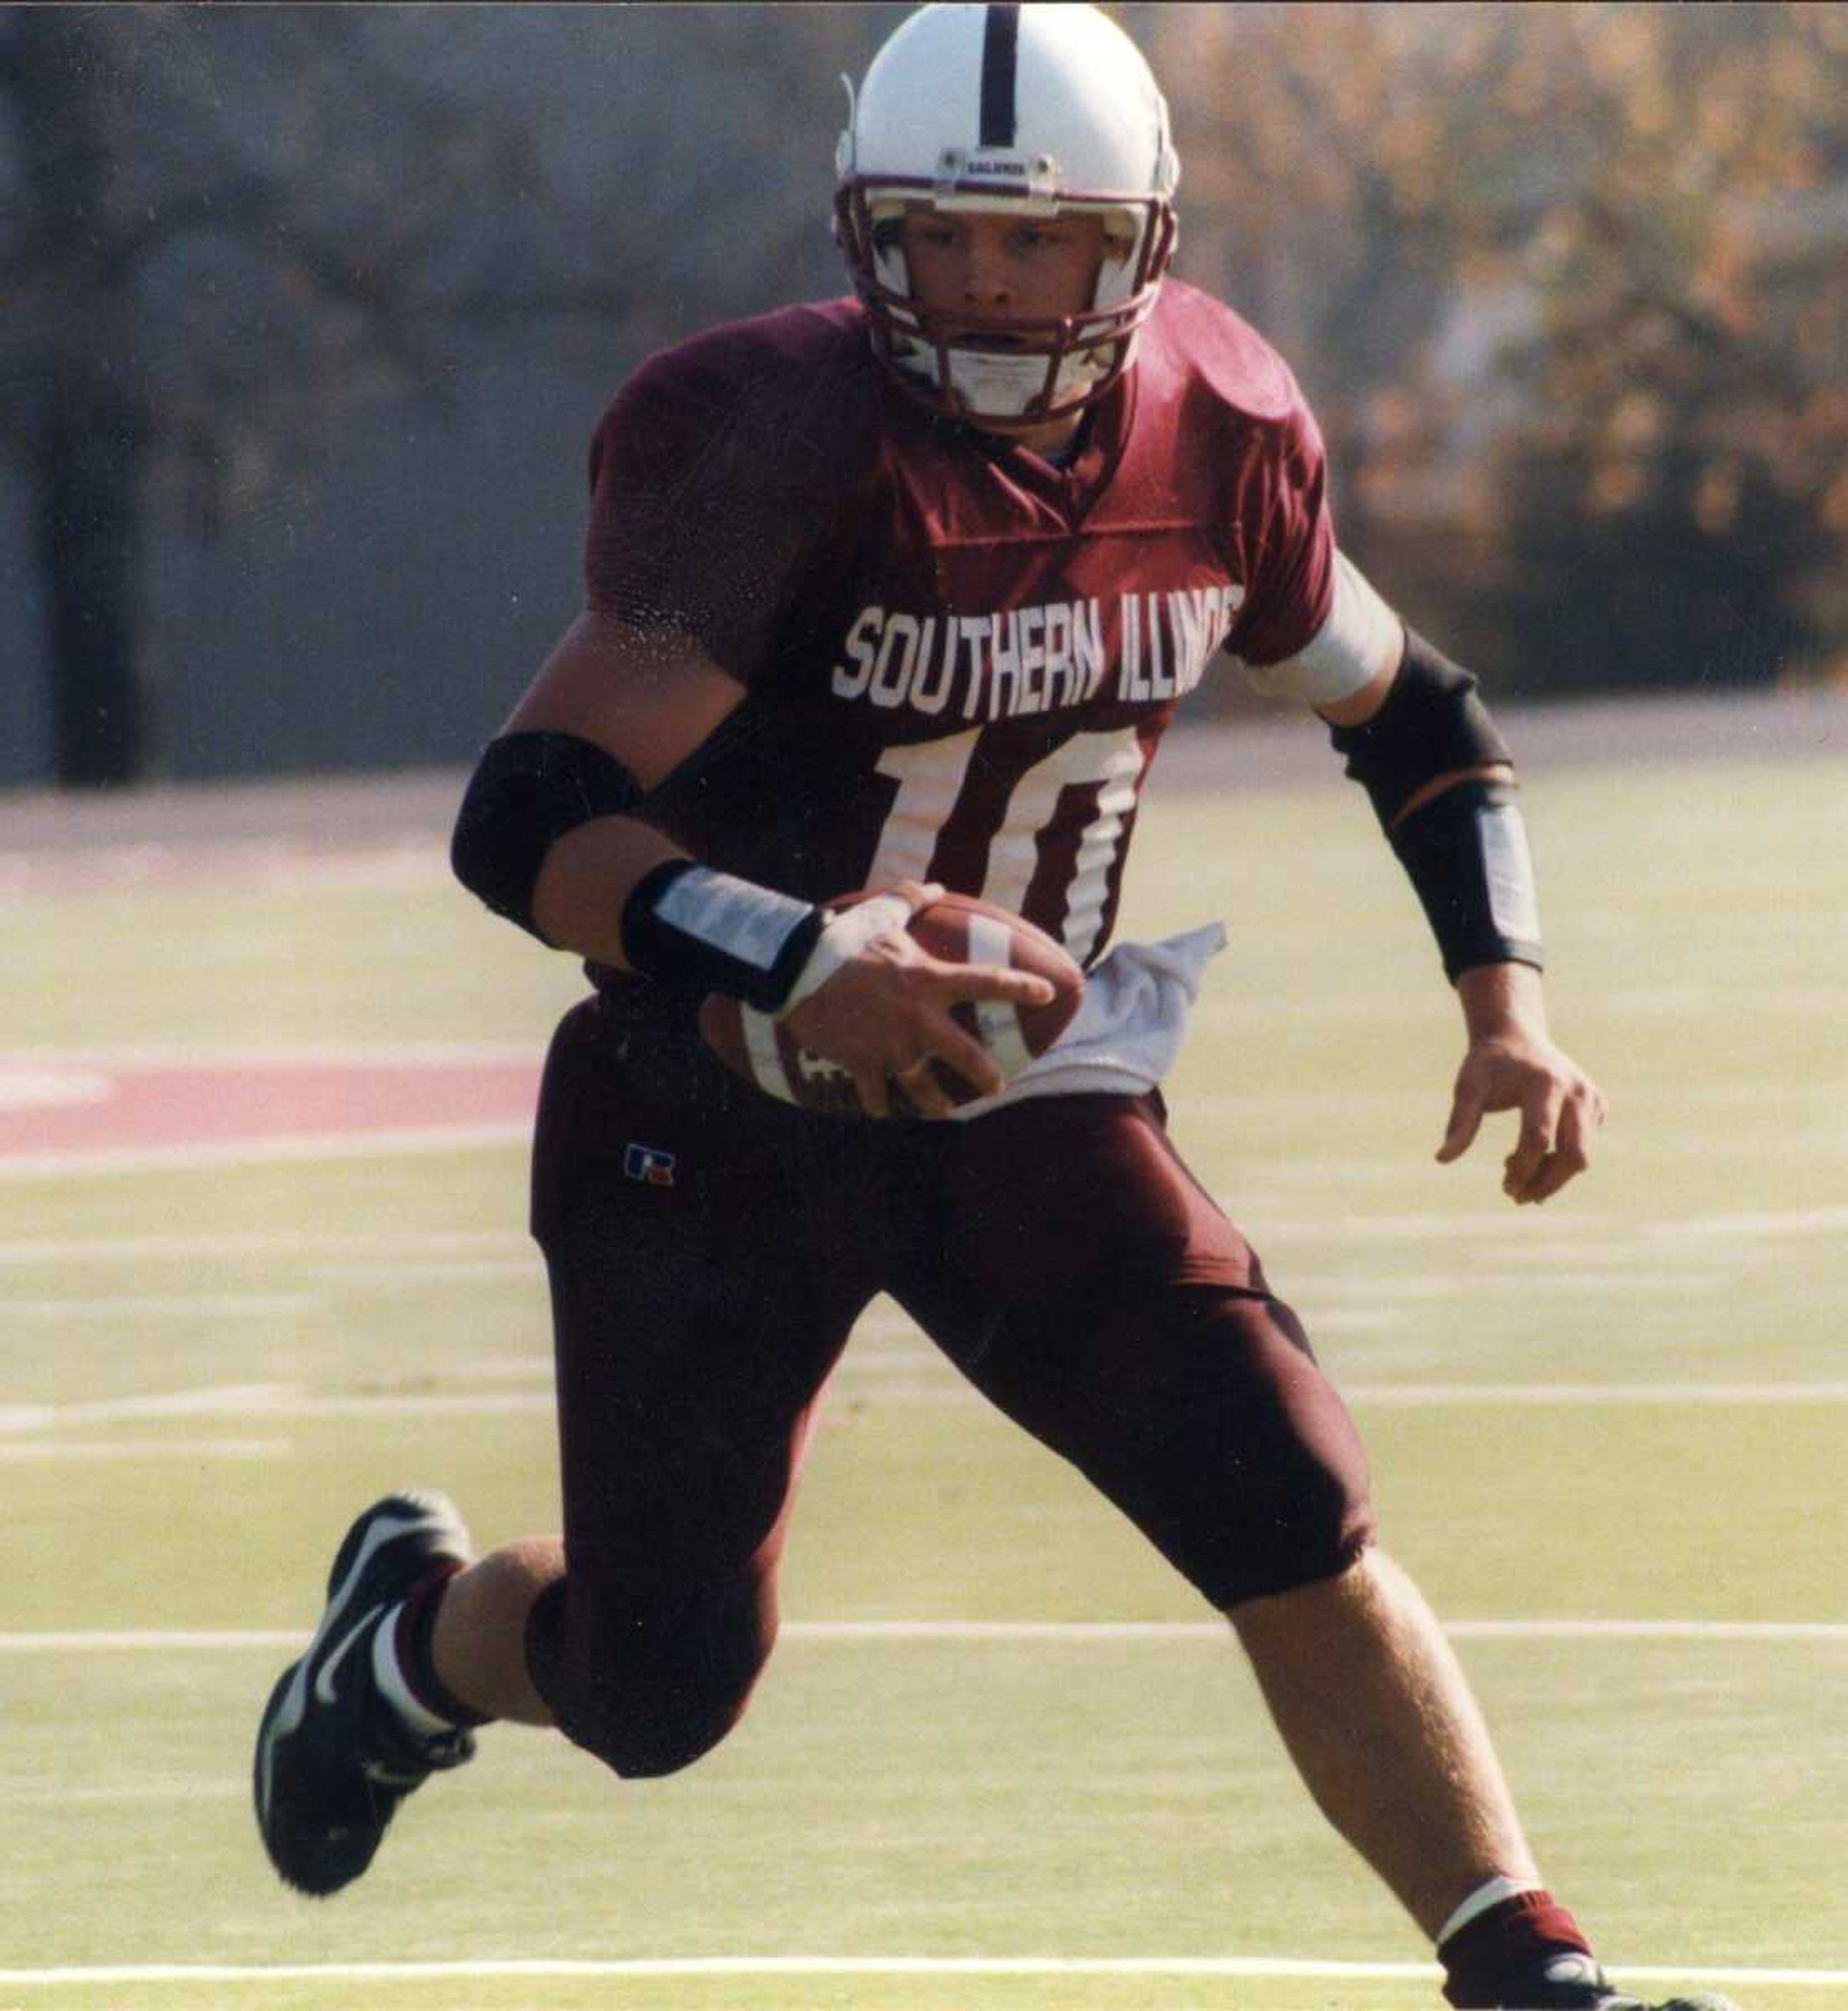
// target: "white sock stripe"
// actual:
[[390, 1680], [1490, 1893]]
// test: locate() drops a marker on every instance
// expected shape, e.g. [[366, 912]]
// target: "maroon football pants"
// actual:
[[709, 1250]]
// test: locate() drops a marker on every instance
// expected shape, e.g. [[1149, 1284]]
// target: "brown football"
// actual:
[[959, 928]]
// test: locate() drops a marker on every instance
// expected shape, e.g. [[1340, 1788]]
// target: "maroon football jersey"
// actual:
[[959, 658]]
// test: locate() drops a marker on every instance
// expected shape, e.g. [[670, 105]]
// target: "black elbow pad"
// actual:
[[1432, 723], [528, 790]]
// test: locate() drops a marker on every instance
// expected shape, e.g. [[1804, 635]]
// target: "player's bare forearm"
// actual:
[[1501, 999], [588, 876], [1512, 1063]]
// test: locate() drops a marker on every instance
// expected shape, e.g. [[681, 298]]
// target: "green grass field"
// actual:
[[1668, 1444]]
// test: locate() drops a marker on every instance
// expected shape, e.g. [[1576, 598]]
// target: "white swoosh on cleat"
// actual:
[[295, 1703], [324, 1682]]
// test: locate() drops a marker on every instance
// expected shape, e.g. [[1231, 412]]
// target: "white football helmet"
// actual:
[[1015, 110]]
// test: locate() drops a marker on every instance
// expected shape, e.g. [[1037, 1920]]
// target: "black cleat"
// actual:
[[334, 1758], [1567, 1981]]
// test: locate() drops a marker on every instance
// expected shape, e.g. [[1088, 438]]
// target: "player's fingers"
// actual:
[[921, 1087], [920, 894], [1571, 1150], [1580, 1117], [959, 981], [1466, 1121], [967, 1057], [954, 983], [1540, 1128], [1555, 1170], [870, 1082]]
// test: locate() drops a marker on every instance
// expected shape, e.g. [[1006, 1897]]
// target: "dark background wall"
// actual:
[[385, 608]]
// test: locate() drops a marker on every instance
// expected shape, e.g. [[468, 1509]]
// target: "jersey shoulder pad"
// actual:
[[1209, 353], [787, 384]]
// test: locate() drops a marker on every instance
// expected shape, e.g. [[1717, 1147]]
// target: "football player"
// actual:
[[902, 591]]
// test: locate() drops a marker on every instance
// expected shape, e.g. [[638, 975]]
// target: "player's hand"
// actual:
[[1561, 1110], [884, 1016]]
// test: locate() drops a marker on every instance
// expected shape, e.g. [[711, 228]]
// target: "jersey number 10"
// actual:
[[1043, 842]]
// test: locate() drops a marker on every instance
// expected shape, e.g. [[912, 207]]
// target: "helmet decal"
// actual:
[[1000, 51]]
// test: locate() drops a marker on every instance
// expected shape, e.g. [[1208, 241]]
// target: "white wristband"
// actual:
[[843, 936]]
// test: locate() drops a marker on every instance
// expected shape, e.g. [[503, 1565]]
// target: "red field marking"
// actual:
[[77, 1106]]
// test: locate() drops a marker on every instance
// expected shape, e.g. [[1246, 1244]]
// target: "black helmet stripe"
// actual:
[[1001, 43]]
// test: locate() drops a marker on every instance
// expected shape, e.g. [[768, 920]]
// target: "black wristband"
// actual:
[[686, 925], [1466, 854]]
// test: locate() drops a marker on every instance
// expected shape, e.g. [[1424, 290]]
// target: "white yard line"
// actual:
[[235, 1399], [1249, 1966], [226, 1640], [459, 1403], [429, 1271], [303, 1054], [1416, 1396], [1595, 1235], [206, 1305], [285, 1400], [877, 1378], [141, 1641], [461, 1244], [60, 1795], [79, 1164], [1600, 1272], [1648, 1630], [270, 1400], [15, 1452], [1214, 1630], [1800, 1222]]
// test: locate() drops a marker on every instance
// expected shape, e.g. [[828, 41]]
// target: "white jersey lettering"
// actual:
[[863, 648], [928, 698], [1003, 664], [1087, 647], [899, 642], [1033, 695]]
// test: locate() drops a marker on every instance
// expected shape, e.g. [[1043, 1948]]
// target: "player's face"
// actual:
[[1008, 269], [1021, 267]]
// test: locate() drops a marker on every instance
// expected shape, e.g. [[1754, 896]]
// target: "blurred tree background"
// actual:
[[1568, 286], [309, 310]]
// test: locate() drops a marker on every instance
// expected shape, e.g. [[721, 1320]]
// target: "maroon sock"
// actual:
[[412, 1641], [1481, 1960]]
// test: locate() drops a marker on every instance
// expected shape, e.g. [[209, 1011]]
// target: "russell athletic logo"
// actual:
[[649, 1163]]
